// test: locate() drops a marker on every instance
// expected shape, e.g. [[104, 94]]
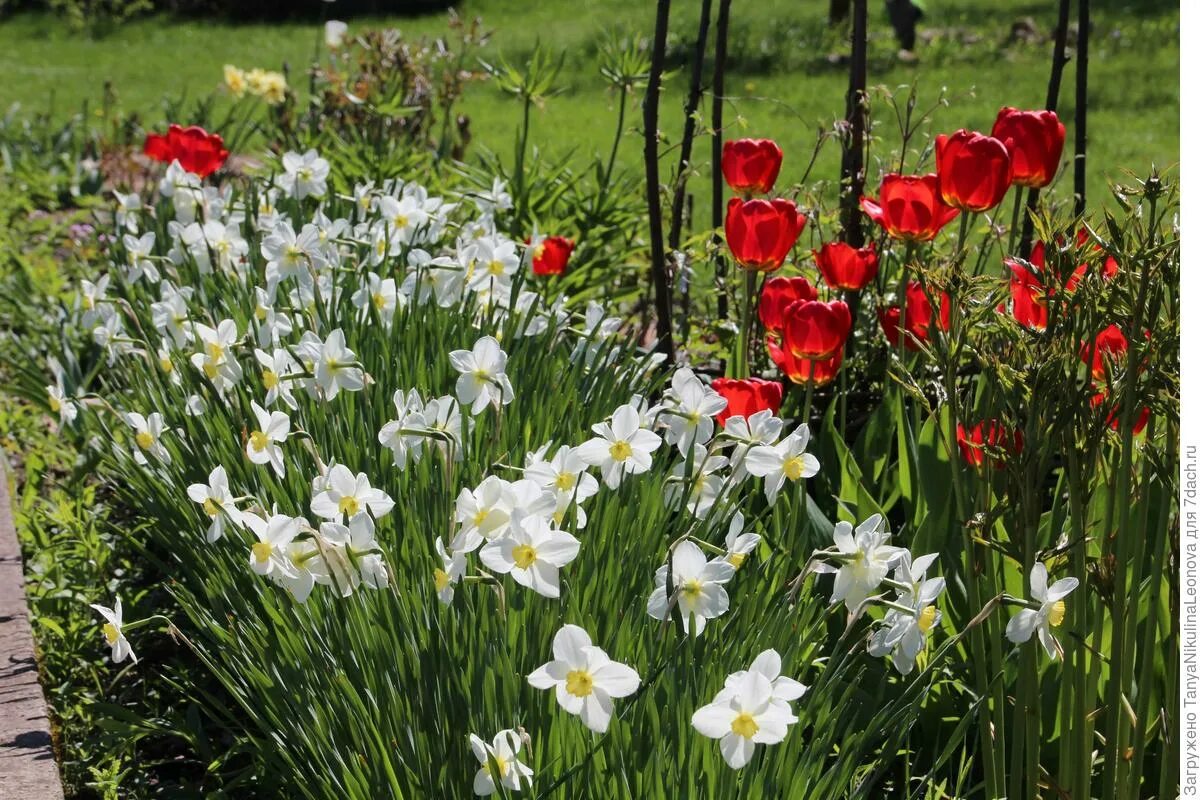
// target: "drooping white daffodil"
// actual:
[[349, 495], [584, 678], [498, 762], [138, 250], [270, 325], [147, 436], [902, 633], [738, 545], [269, 555], [216, 360], [704, 484], [768, 664], [263, 444], [129, 206], [405, 435], [337, 367], [864, 559], [761, 428], [1051, 614], [782, 462], [698, 586], [454, 564], [217, 502], [743, 716], [482, 380], [532, 552], [688, 410], [113, 635], [56, 397], [621, 447], [303, 175], [350, 556]]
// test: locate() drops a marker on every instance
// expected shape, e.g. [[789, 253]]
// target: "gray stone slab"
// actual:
[[28, 769]]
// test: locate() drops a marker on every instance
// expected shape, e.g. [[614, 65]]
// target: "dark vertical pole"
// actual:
[[685, 158], [852, 153], [1057, 65], [658, 259], [1081, 100], [718, 183]]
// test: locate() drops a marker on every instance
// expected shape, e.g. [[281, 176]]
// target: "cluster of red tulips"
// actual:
[[806, 336], [197, 151]]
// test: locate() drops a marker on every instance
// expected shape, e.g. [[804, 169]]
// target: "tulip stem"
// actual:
[[745, 333]]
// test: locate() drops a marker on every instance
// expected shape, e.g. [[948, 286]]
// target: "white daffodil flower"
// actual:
[[532, 552], [263, 445], [584, 678], [743, 717], [269, 555], [129, 206], [782, 462], [56, 397], [689, 409], [335, 33], [454, 564], [482, 380], [864, 558], [113, 636], [270, 325], [1051, 614], [276, 367], [350, 556], [621, 447], [216, 360], [147, 435], [380, 294], [738, 545], [138, 251], [698, 586], [290, 255], [443, 415], [303, 175], [349, 495], [565, 474], [493, 262], [902, 633], [170, 317], [498, 762], [217, 502], [337, 368]]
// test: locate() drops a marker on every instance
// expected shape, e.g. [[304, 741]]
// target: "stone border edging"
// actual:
[[28, 769]]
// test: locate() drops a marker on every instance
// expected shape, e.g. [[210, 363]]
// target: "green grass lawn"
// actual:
[[783, 81]]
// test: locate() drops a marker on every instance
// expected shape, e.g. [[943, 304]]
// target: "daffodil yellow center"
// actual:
[[400, 221], [793, 467], [145, 440], [349, 505], [165, 365], [215, 351], [211, 507], [1058, 611], [524, 556], [501, 765], [579, 682], [110, 633], [691, 588], [479, 517], [737, 559], [441, 579], [379, 300], [55, 405], [260, 313], [261, 551], [210, 369], [495, 267], [565, 481], [270, 379], [620, 451], [926, 619], [744, 725], [259, 441]]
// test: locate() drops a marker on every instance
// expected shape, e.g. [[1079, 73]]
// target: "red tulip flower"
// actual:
[[846, 267], [1114, 416], [909, 207], [1029, 296], [761, 233], [751, 166], [748, 396], [803, 371], [974, 171], [1110, 345], [197, 151], [550, 255], [918, 316], [816, 330], [777, 295], [1035, 143], [989, 435]]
